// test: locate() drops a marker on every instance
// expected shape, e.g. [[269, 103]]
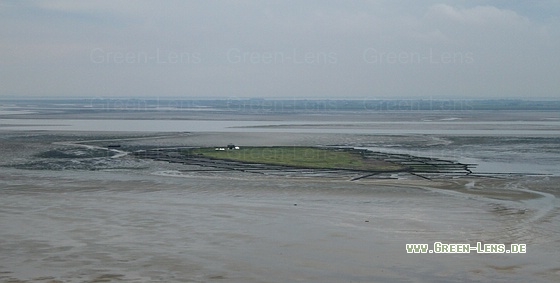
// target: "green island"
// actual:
[[300, 157]]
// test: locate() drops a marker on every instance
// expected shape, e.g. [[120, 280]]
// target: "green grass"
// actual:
[[301, 157]]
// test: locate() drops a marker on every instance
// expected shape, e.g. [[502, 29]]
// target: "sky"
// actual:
[[316, 49]]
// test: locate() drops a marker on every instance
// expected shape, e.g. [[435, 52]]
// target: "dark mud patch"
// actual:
[[76, 153], [92, 164]]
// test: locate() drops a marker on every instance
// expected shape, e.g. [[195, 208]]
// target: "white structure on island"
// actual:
[[229, 147]]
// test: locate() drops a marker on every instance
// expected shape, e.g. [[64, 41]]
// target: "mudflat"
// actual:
[[74, 210]]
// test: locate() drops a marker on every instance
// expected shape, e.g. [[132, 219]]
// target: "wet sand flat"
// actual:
[[80, 229], [110, 228]]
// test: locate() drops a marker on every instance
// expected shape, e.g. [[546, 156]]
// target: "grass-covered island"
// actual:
[[300, 157], [260, 159]]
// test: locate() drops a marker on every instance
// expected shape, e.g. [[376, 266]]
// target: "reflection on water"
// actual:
[[124, 125], [475, 128]]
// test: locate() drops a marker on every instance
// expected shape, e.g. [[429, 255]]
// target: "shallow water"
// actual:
[[329, 125]]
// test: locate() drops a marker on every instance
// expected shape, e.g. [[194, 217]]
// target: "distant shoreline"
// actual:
[[271, 105]]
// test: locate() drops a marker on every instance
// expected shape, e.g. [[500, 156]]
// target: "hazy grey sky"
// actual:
[[292, 49]]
